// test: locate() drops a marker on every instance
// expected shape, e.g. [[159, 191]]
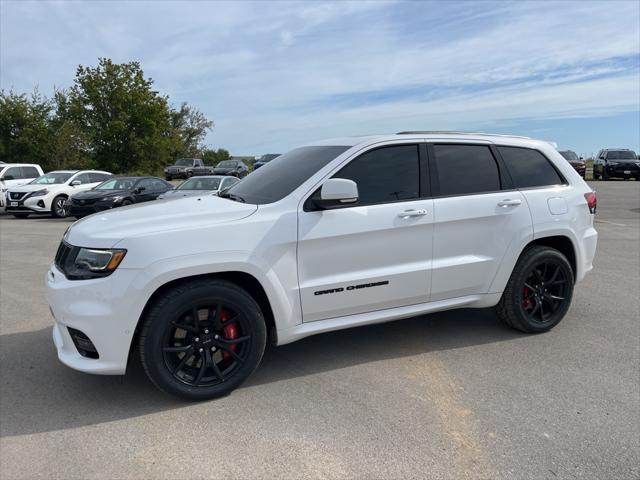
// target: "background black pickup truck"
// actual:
[[186, 168]]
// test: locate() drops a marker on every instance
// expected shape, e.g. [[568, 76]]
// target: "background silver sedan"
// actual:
[[200, 185]]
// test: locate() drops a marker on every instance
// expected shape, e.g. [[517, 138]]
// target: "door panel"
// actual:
[[360, 259], [472, 233]]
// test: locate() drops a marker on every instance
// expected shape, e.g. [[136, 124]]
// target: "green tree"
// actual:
[[126, 122], [25, 133], [189, 127], [213, 157]]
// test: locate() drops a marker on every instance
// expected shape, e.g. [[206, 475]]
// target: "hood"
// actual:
[[577, 163], [104, 230], [185, 193], [95, 194], [34, 188]]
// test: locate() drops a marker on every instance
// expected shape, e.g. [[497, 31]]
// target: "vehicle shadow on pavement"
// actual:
[[392, 340], [40, 395]]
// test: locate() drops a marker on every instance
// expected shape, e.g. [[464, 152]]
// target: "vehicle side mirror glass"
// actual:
[[76, 183], [337, 192], [581, 158], [139, 189]]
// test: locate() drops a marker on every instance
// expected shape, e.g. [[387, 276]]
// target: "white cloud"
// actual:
[[275, 74]]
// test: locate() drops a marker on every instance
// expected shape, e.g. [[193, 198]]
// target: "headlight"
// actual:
[[91, 262], [99, 260], [612, 163], [40, 193], [110, 199]]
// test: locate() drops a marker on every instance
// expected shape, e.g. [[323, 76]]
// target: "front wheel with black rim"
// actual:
[[59, 207], [539, 291], [202, 339]]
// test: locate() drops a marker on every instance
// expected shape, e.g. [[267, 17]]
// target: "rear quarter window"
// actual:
[[529, 168]]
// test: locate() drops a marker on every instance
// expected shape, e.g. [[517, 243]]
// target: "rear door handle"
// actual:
[[412, 213], [509, 203]]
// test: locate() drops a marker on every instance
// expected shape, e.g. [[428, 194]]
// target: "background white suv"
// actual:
[[338, 234], [49, 193], [14, 174]]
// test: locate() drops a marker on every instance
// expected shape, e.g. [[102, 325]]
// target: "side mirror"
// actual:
[[139, 190], [337, 192], [75, 183], [581, 158]]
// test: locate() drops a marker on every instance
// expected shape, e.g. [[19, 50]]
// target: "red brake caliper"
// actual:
[[229, 331], [527, 302]]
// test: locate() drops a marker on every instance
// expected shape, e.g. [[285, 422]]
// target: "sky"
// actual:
[[275, 75]]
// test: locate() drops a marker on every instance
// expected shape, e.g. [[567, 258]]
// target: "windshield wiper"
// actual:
[[231, 196]]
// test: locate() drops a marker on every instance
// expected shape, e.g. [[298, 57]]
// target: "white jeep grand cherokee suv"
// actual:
[[337, 234], [49, 193]]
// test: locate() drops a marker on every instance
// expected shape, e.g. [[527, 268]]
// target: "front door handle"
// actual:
[[412, 213], [509, 203]]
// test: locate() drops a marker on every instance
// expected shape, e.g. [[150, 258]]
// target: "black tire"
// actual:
[[58, 209], [169, 324], [524, 300], [21, 215], [605, 175], [126, 202], [189, 174]]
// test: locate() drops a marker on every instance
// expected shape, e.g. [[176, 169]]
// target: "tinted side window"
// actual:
[[466, 169], [529, 168], [98, 177], [30, 172], [83, 178], [145, 183], [15, 172], [159, 186], [384, 175]]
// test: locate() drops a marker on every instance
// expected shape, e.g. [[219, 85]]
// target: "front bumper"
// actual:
[[623, 170], [106, 310], [40, 204]]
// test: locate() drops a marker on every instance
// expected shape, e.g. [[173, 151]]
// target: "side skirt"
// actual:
[[387, 315]]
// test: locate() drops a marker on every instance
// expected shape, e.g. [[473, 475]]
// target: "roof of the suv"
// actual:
[[433, 135]]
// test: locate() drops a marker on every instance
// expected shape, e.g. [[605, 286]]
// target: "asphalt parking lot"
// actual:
[[450, 395]]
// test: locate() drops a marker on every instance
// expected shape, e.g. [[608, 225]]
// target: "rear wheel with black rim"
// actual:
[[202, 339], [59, 207], [126, 202], [539, 291]]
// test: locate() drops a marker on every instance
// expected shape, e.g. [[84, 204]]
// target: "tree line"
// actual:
[[110, 119]]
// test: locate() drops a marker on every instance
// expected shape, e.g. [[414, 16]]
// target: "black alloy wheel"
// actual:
[[202, 339], [544, 291]]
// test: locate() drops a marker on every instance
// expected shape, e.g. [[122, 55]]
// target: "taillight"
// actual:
[[592, 201]]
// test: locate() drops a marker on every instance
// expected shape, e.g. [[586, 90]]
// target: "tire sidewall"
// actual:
[[160, 318]]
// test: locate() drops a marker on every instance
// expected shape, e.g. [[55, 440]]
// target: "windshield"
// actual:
[[284, 175], [227, 164], [569, 155], [200, 184], [184, 162], [117, 184], [621, 155], [53, 178]]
